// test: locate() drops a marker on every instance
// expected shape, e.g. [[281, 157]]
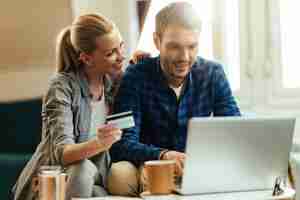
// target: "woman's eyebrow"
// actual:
[[111, 49]]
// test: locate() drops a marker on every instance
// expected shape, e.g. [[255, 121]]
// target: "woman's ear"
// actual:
[[86, 59]]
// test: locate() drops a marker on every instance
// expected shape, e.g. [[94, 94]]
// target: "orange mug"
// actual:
[[160, 176]]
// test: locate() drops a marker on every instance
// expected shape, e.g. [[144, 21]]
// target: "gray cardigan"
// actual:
[[66, 113]]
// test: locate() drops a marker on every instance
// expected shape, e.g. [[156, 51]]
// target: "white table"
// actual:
[[289, 194]]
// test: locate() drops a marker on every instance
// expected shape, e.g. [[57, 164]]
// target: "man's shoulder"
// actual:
[[206, 67], [145, 67], [206, 64]]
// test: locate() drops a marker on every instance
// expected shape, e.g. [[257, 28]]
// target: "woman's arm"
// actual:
[[106, 136], [76, 152], [59, 125]]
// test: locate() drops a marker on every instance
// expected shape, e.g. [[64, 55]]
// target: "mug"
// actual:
[[160, 176], [51, 183]]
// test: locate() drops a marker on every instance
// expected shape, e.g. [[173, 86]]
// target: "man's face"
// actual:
[[178, 48]]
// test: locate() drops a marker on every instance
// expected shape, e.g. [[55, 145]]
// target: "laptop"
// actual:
[[236, 154]]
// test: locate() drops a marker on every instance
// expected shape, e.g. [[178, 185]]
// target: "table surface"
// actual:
[[253, 195]]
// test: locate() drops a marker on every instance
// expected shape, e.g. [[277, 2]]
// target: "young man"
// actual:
[[164, 93]]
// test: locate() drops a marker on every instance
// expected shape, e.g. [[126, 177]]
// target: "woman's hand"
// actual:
[[107, 135], [138, 55]]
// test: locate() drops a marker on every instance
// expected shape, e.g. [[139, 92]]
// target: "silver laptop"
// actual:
[[235, 154]]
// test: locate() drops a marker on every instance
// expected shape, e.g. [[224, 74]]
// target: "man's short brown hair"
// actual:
[[178, 13]]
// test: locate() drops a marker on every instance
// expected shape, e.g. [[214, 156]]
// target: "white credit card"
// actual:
[[122, 120]]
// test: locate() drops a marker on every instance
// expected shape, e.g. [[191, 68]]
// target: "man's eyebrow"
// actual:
[[174, 43]]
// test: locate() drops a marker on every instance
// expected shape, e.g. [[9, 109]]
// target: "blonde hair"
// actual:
[[80, 37], [177, 13]]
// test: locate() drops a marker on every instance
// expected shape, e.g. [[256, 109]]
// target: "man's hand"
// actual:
[[179, 159]]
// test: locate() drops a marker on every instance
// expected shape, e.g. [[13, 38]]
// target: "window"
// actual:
[[232, 40], [290, 40]]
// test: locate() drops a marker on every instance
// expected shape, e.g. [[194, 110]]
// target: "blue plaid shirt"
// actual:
[[160, 118]]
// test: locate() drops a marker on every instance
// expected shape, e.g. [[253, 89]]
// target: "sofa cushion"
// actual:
[[20, 126], [11, 166]]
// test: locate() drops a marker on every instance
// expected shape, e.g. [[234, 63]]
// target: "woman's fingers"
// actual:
[[106, 127], [108, 134], [118, 135], [115, 134]]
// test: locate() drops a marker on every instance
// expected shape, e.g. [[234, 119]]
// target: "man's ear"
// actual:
[[156, 40]]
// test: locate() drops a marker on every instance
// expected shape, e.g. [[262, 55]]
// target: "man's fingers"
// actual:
[[178, 169], [181, 163], [182, 155]]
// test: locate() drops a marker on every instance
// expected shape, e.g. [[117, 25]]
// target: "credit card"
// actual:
[[122, 120]]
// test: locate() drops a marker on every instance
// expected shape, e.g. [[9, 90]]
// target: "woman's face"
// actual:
[[109, 55]]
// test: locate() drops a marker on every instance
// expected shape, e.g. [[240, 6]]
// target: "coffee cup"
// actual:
[[160, 176]]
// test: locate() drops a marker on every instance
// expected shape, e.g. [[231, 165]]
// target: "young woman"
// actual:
[[80, 95]]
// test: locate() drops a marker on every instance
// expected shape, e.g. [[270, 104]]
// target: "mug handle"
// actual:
[[63, 177]]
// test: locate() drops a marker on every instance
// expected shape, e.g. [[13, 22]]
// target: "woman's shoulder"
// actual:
[[62, 78], [65, 83]]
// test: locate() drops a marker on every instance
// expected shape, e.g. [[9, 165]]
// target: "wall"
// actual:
[[28, 34], [123, 13]]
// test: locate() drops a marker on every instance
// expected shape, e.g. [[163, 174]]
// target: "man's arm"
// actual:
[[128, 98], [224, 102]]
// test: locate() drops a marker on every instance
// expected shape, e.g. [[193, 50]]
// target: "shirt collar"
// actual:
[[84, 86]]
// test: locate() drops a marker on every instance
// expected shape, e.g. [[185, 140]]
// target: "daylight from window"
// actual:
[[290, 40]]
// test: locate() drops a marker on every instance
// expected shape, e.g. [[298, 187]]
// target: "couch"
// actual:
[[20, 133]]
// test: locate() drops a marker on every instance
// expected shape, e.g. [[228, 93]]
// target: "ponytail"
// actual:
[[80, 37], [66, 56]]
